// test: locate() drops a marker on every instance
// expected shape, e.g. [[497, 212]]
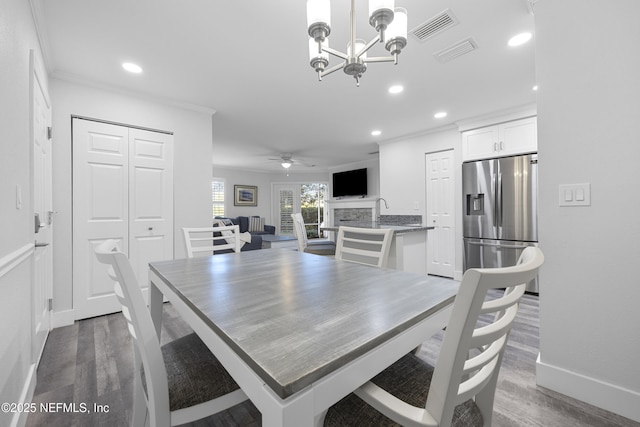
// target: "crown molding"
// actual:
[[418, 134], [37, 11], [496, 117], [83, 81]]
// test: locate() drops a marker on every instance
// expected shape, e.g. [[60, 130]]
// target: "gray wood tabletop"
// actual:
[[296, 317]]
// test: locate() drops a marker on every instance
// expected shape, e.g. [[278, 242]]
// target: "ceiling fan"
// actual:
[[286, 161]]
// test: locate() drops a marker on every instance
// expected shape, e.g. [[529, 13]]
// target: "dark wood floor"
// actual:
[[90, 362]]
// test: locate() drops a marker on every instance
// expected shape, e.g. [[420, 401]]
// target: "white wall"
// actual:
[[588, 70], [403, 176], [264, 181], [17, 38], [192, 165]]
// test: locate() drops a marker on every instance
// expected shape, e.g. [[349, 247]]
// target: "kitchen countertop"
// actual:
[[397, 228]]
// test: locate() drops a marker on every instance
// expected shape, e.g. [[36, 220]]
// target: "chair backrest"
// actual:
[[299, 231], [478, 325], [368, 246], [146, 343], [202, 240]]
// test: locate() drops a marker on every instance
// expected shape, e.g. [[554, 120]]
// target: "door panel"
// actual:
[[100, 210], [287, 201], [517, 182], [479, 199], [41, 170], [122, 190], [150, 200], [485, 253], [440, 213]]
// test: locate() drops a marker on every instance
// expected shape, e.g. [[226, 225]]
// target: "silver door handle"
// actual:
[[41, 245], [498, 245]]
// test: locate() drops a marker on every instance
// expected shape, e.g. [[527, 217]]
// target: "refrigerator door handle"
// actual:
[[499, 201], [494, 185], [497, 245]]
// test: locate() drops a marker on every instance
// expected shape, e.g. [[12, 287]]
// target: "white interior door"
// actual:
[[122, 190], [43, 208], [151, 200], [286, 201], [100, 210], [440, 213]]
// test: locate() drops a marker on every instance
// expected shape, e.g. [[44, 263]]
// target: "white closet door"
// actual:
[[122, 190], [440, 213], [151, 204], [100, 210]]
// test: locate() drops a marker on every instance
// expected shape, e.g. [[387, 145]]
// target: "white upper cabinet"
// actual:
[[505, 139]]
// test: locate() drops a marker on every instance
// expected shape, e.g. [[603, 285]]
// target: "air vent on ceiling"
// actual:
[[456, 50], [442, 21]]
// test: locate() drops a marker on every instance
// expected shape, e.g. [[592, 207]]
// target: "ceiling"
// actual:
[[248, 61]]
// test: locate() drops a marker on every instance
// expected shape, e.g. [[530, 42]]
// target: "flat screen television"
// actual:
[[350, 183]]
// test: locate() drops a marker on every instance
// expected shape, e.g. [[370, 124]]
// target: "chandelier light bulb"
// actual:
[[319, 19], [381, 14], [397, 32], [389, 21]]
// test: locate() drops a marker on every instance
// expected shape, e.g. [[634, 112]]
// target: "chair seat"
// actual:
[[320, 243], [193, 373], [321, 249], [406, 380]]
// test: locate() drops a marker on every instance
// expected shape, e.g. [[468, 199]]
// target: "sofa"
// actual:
[[257, 231]]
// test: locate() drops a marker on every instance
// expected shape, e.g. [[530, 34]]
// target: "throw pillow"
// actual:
[[256, 224], [225, 222]]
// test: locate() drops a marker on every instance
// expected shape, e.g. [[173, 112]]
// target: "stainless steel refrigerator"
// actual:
[[500, 215]]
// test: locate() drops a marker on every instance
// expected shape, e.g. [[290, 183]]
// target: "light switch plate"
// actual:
[[18, 197], [574, 194]]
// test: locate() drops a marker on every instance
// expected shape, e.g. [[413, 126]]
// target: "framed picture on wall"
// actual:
[[245, 195]]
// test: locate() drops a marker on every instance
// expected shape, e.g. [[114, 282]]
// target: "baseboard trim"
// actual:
[[598, 393], [20, 417], [63, 318]]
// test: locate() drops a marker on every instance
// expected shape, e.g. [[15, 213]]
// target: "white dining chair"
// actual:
[[177, 383], [368, 246], [202, 240], [460, 390], [318, 247]]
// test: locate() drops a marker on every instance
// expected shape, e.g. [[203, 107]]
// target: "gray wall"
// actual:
[[588, 70], [192, 166], [17, 369]]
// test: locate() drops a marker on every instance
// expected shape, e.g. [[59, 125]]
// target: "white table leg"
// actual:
[[155, 304], [295, 413]]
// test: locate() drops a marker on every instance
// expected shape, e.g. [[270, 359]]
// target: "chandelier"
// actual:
[[390, 22]]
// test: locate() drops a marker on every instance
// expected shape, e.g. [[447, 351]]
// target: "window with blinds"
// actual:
[[217, 197], [286, 209]]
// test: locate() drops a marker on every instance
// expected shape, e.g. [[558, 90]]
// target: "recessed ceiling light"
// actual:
[[396, 89], [376, 133], [132, 68], [519, 39], [440, 115], [534, 87]]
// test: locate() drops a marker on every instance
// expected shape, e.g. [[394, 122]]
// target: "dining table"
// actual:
[[297, 331]]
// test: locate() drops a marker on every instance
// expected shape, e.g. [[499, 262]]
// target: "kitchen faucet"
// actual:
[[378, 206]]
